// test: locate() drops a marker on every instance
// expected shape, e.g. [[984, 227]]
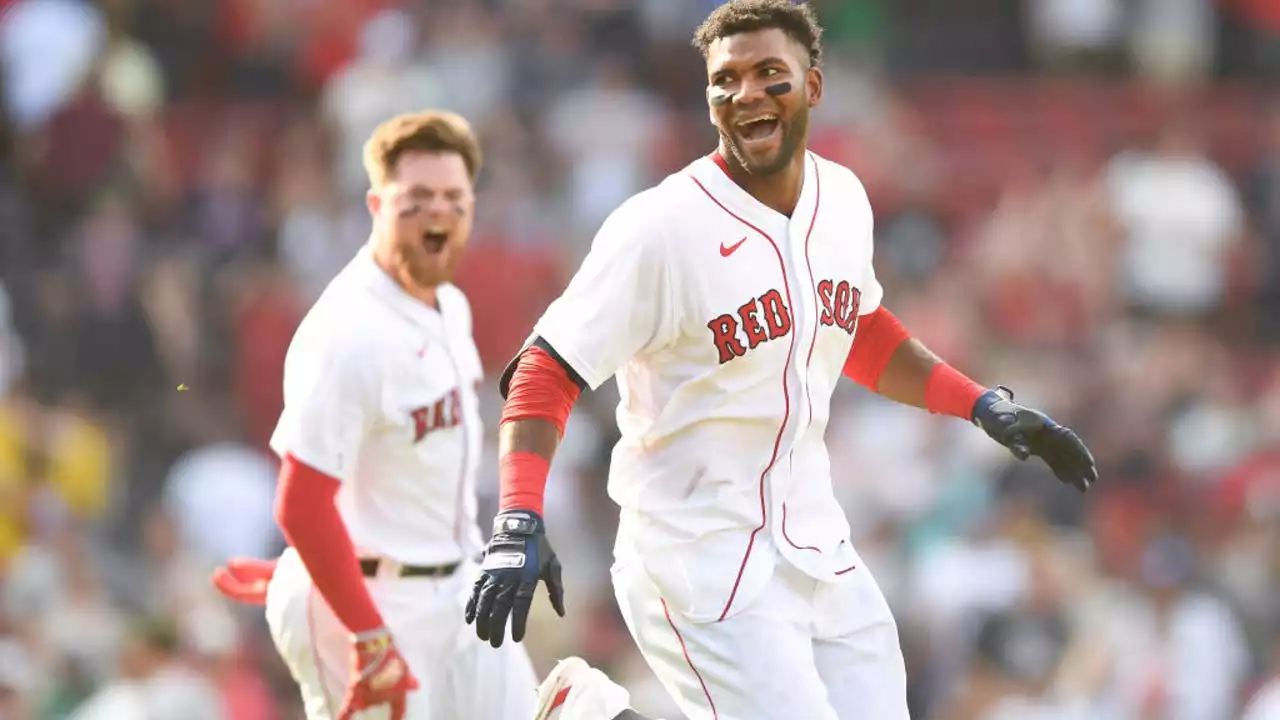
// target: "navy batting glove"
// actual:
[[517, 558], [1028, 432]]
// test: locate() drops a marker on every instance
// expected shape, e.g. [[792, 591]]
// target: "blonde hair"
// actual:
[[425, 131]]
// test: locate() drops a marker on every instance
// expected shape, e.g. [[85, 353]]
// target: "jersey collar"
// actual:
[[380, 284], [713, 174]]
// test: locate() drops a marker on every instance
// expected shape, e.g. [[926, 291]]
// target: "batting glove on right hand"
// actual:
[[1028, 432], [379, 676], [517, 558]]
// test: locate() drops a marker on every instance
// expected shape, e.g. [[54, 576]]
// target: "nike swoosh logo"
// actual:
[[727, 251]]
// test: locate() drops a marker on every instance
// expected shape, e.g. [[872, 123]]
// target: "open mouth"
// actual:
[[434, 240], [758, 129]]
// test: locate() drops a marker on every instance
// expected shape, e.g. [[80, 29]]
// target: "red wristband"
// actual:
[[950, 392], [523, 478]]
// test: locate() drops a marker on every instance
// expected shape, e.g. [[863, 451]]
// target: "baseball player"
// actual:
[[728, 301], [379, 440]]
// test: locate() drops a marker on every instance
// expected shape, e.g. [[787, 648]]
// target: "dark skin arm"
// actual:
[[905, 376], [536, 435]]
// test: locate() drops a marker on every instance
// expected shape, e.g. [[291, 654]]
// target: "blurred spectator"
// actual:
[[384, 79], [1076, 35], [1263, 194], [179, 180], [1182, 220], [1265, 703], [1173, 40], [221, 496], [154, 682], [604, 132], [12, 357], [48, 49]]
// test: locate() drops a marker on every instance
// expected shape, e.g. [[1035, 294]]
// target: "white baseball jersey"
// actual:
[[727, 325], [380, 393]]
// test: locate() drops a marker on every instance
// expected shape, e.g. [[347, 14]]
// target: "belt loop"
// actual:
[[388, 569]]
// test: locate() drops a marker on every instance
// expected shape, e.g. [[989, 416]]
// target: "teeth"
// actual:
[[762, 118]]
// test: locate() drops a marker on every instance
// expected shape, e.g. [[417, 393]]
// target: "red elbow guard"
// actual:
[[540, 388], [879, 335]]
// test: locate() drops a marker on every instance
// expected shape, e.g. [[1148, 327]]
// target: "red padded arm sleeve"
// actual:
[[310, 521], [540, 388], [879, 335]]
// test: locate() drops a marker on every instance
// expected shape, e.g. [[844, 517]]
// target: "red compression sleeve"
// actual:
[[950, 392], [540, 388], [310, 521], [879, 335]]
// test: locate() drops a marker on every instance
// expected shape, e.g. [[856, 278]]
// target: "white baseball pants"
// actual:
[[460, 676], [802, 649]]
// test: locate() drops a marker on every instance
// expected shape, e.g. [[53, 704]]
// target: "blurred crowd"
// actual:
[[1099, 230]]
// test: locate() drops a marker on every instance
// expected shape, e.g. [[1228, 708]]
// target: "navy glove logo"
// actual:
[[1028, 432], [518, 557]]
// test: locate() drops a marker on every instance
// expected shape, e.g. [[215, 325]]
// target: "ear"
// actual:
[[813, 83], [373, 201]]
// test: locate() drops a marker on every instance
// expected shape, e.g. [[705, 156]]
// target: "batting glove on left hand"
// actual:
[[517, 558], [245, 579], [1028, 432]]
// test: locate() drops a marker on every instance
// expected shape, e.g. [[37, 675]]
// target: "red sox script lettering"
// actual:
[[840, 303], [760, 319], [443, 413], [767, 318]]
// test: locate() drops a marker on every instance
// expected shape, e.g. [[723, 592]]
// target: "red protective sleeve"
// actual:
[[879, 335], [950, 392], [540, 388], [309, 519]]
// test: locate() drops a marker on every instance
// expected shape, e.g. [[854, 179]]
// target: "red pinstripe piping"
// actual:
[[560, 698], [851, 567], [685, 650], [786, 394], [808, 361], [788, 537]]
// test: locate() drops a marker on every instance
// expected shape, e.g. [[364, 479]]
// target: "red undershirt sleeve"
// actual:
[[540, 387], [308, 516]]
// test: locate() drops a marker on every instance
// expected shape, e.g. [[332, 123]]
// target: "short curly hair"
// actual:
[[425, 131], [797, 20]]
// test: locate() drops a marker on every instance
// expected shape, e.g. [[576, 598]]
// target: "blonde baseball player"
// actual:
[[726, 301], [379, 440]]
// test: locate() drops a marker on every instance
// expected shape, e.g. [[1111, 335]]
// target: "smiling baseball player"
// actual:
[[728, 301], [379, 438]]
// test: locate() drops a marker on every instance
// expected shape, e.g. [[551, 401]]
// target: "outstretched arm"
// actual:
[[618, 305], [540, 391], [887, 360]]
